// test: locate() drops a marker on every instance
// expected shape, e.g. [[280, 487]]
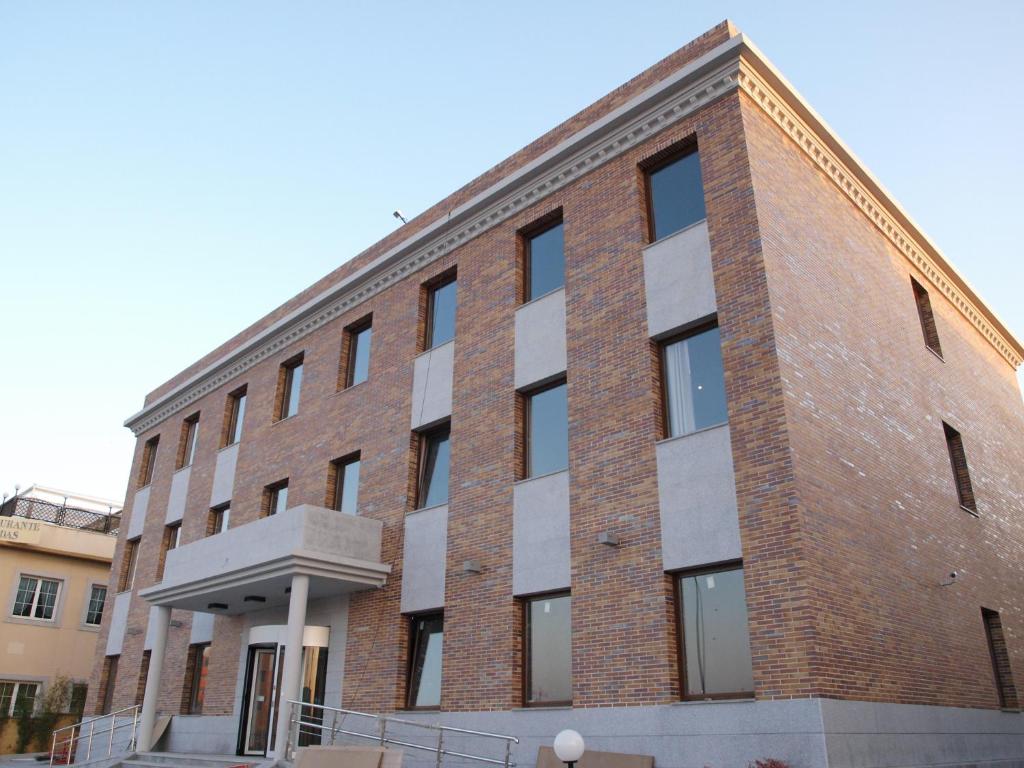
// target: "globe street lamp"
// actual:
[[569, 747]]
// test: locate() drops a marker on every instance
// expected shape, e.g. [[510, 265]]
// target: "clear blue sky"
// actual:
[[169, 172]]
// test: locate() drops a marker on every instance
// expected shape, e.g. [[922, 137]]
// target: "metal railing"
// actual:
[[311, 720], [62, 750], [61, 514]]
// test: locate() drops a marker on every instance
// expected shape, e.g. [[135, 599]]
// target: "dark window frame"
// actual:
[[271, 494], [194, 675], [527, 235], [216, 522], [926, 316], [674, 337], [108, 681], [350, 348], [677, 577], [431, 288], [148, 465], [412, 691], [424, 437], [659, 161], [527, 421], [187, 442], [89, 612], [171, 540], [234, 416], [129, 565], [524, 605], [285, 384], [1002, 673], [961, 475], [336, 480]]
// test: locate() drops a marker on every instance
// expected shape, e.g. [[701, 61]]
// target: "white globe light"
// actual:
[[568, 746]]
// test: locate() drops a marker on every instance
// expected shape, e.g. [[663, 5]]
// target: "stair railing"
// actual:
[[62, 748]]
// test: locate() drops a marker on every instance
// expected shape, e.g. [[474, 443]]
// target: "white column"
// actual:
[[290, 677], [160, 620]]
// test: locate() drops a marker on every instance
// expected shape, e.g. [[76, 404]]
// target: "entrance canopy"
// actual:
[[250, 567]]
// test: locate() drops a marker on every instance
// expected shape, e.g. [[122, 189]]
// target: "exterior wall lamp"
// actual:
[[569, 747]]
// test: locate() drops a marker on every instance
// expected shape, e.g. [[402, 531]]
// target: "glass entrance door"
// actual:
[[263, 663]]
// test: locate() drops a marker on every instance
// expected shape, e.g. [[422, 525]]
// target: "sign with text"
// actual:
[[19, 530]]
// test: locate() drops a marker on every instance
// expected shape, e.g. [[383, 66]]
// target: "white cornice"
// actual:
[[702, 81]]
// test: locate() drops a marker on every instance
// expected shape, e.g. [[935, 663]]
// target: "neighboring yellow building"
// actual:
[[55, 553]]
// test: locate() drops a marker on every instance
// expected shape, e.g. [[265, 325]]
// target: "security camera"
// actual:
[[953, 575], [950, 579]]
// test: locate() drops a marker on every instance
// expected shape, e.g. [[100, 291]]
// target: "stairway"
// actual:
[[186, 760]]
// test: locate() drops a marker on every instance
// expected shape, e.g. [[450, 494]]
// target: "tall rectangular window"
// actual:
[[172, 538], [714, 636], [275, 498], [17, 696], [441, 313], [675, 194], [108, 681], [548, 650], [289, 386], [187, 446], [426, 646], [234, 417], [693, 382], [961, 475], [97, 599], [36, 598], [1001, 671], [140, 685], [129, 562], [924, 313], [76, 704], [545, 262], [148, 461], [343, 484], [547, 430], [220, 517], [196, 674], [355, 353], [434, 467]]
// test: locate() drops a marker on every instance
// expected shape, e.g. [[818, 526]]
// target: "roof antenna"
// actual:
[[398, 215]]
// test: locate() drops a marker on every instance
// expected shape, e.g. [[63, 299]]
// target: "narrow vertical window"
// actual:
[[289, 386], [97, 599], [343, 484], [108, 681], [219, 520], [426, 646], [148, 461], [187, 445], [924, 313], [548, 650], [140, 686], [234, 417], [172, 538], [196, 673], [961, 474], [275, 498], [714, 637], [693, 382], [355, 353], [675, 194], [440, 313], [1005, 689], [129, 562], [434, 467], [547, 430], [545, 262], [76, 704]]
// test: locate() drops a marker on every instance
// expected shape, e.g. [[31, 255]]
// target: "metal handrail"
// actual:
[[69, 743], [298, 724]]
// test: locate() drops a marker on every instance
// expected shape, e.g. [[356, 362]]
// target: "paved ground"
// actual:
[[22, 761]]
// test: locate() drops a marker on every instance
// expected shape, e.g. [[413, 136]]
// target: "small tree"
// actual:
[[55, 703]]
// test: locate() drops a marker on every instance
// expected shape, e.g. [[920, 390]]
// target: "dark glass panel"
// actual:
[[548, 431], [434, 488], [547, 262], [677, 195], [442, 315], [550, 649]]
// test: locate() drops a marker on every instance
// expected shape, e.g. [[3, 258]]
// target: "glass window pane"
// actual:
[[428, 642], [348, 496], [6, 698], [548, 431], [550, 649], [547, 262], [361, 355], [435, 469], [47, 599], [442, 315], [694, 383], [715, 634], [26, 595], [677, 196], [279, 502], [294, 388], [25, 699], [238, 419], [97, 598]]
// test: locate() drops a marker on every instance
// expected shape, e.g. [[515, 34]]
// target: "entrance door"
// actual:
[[261, 700]]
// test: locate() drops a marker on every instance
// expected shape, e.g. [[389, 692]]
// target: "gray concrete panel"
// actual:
[[179, 494], [678, 279], [540, 534], [432, 385], [202, 628], [540, 339], [118, 623], [137, 520], [425, 553], [224, 475], [697, 493]]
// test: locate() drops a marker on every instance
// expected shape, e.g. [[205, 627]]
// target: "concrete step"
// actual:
[[186, 760]]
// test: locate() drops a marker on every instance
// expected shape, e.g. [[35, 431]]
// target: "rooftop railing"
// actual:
[[61, 514]]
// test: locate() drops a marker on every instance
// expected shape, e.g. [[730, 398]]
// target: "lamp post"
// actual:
[[569, 747]]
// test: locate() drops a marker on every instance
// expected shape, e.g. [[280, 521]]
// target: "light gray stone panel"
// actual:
[[118, 623], [200, 735], [137, 521], [202, 628], [697, 494], [179, 494], [332, 612], [540, 534], [678, 279], [224, 475], [425, 553], [540, 339], [432, 385], [150, 632]]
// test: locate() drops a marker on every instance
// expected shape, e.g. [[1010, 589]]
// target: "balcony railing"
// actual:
[[61, 514]]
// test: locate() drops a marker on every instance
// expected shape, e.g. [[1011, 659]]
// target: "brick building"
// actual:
[[672, 425]]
